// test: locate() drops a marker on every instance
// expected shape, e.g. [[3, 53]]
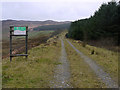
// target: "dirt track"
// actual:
[[105, 77], [62, 72]]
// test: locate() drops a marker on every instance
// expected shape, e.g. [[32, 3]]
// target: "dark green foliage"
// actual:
[[103, 24]]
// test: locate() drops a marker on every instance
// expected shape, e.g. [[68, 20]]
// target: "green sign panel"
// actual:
[[19, 30]]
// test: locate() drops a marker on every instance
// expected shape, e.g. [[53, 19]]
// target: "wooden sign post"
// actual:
[[18, 31]]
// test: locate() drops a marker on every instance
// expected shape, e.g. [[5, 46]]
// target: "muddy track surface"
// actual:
[[62, 71], [105, 77]]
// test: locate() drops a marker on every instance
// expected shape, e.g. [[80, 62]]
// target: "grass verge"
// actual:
[[35, 72]]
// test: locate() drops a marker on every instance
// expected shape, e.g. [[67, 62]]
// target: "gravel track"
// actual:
[[105, 77], [62, 72]]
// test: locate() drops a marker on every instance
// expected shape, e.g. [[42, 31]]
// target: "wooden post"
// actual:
[[26, 40], [11, 43]]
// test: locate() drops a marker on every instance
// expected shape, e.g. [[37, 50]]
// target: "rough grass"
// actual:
[[81, 74], [35, 72], [34, 39], [33, 34], [107, 59]]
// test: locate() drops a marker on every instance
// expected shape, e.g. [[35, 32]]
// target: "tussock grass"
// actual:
[[81, 74], [33, 34], [35, 72], [34, 39], [107, 59]]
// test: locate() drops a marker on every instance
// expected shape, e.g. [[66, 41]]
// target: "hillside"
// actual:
[[35, 37], [30, 24], [53, 27]]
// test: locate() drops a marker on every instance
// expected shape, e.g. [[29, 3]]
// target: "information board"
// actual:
[[19, 30]]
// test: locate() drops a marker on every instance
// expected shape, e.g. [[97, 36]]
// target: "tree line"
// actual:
[[105, 23]]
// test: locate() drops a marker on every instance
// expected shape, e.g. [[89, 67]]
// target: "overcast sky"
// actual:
[[59, 10]]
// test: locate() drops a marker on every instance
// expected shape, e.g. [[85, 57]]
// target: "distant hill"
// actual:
[[53, 27], [30, 24]]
